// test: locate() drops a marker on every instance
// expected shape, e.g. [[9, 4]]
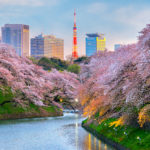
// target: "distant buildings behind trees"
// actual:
[[117, 46], [17, 35], [47, 46], [94, 43]]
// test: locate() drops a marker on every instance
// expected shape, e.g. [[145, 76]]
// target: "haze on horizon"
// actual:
[[119, 20]]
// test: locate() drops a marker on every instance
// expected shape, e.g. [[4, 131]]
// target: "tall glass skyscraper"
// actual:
[[94, 42], [17, 35]]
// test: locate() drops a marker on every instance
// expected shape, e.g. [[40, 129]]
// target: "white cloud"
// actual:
[[132, 16], [96, 7], [28, 2], [130, 21]]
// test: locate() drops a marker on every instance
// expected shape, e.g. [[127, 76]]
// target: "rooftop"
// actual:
[[95, 35]]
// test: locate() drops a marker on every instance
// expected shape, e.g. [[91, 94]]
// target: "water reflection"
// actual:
[[99, 144], [92, 143], [76, 135], [105, 147], [61, 133], [89, 143]]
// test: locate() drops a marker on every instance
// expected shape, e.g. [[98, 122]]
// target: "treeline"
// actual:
[[61, 65]]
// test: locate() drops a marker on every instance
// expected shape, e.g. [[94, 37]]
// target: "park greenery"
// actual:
[[56, 63], [82, 59], [74, 68], [51, 63]]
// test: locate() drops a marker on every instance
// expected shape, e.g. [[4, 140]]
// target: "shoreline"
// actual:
[[125, 137], [28, 116], [104, 139], [9, 112]]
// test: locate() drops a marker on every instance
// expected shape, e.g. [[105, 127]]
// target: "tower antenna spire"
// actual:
[[74, 51], [74, 16]]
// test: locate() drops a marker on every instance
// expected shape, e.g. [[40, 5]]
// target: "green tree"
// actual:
[[34, 60], [81, 59], [49, 63], [74, 68]]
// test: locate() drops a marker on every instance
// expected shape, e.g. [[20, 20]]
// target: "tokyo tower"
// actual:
[[74, 50]]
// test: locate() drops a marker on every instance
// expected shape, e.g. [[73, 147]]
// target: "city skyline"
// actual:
[[55, 17]]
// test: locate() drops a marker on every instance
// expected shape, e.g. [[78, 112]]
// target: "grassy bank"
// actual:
[[129, 137], [12, 110], [9, 111]]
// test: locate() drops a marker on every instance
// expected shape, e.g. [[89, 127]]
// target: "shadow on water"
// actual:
[[7, 122], [27, 120]]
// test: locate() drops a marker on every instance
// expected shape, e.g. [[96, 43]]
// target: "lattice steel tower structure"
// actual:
[[74, 50]]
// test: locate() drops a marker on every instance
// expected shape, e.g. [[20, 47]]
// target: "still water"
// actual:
[[59, 133]]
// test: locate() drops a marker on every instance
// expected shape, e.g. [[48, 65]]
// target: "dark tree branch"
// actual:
[[5, 102]]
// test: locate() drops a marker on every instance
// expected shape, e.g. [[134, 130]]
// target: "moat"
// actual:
[[52, 133]]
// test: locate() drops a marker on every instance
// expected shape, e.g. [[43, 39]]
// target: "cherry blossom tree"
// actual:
[[118, 80], [31, 83]]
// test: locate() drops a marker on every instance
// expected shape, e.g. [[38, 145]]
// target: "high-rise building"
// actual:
[[47, 46], [117, 46], [91, 44], [101, 42], [37, 46], [17, 35], [95, 42]]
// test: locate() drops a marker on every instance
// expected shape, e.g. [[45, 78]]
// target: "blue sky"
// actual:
[[119, 20]]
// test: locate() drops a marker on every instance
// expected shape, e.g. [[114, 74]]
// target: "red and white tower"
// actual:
[[74, 50]]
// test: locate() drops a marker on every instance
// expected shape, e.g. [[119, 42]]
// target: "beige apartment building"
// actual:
[[47, 46]]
